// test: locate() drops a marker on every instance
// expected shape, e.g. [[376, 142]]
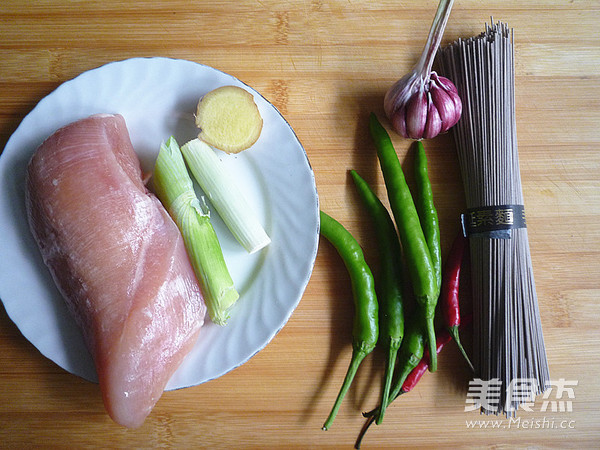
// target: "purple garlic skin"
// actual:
[[422, 107]]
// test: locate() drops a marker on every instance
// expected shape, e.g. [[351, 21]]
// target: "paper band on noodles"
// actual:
[[493, 222]]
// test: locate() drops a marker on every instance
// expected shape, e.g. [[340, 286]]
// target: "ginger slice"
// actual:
[[229, 119]]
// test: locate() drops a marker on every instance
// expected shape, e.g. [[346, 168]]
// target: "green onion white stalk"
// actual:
[[224, 195], [175, 189]]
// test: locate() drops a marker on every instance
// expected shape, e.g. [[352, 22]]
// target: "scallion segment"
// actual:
[[225, 195], [175, 189]]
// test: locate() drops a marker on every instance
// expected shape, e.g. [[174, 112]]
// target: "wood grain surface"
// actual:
[[325, 65]]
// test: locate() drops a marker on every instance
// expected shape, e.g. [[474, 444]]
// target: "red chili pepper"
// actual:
[[450, 285]]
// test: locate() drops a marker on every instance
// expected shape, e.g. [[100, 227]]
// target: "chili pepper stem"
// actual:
[[455, 335], [431, 340], [371, 418], [357, 357], [401, 378], [389, 372], [363, 431], [376, 415]]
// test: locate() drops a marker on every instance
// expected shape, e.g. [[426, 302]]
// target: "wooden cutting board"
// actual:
[[325, 66]]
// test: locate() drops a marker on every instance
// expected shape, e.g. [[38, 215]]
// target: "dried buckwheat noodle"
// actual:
[[508, 340]]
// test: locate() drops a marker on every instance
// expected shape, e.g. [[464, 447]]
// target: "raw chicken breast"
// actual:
[[117, 258]]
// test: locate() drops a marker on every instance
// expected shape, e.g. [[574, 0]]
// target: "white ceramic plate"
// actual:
[[157, 97]]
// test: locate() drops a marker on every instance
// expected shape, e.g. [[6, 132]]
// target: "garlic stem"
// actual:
[[434, 39]]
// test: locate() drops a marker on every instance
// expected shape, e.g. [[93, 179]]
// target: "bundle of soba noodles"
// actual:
[[509, 353]]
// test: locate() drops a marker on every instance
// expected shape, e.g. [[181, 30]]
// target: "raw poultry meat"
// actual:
[[117, 258]]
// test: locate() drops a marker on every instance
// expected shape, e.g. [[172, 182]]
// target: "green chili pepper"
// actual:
[[391, 309], [414, 244], [365, 331], [427, 212]]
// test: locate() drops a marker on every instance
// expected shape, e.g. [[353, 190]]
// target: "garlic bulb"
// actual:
[[421, 107], [423, 104]]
